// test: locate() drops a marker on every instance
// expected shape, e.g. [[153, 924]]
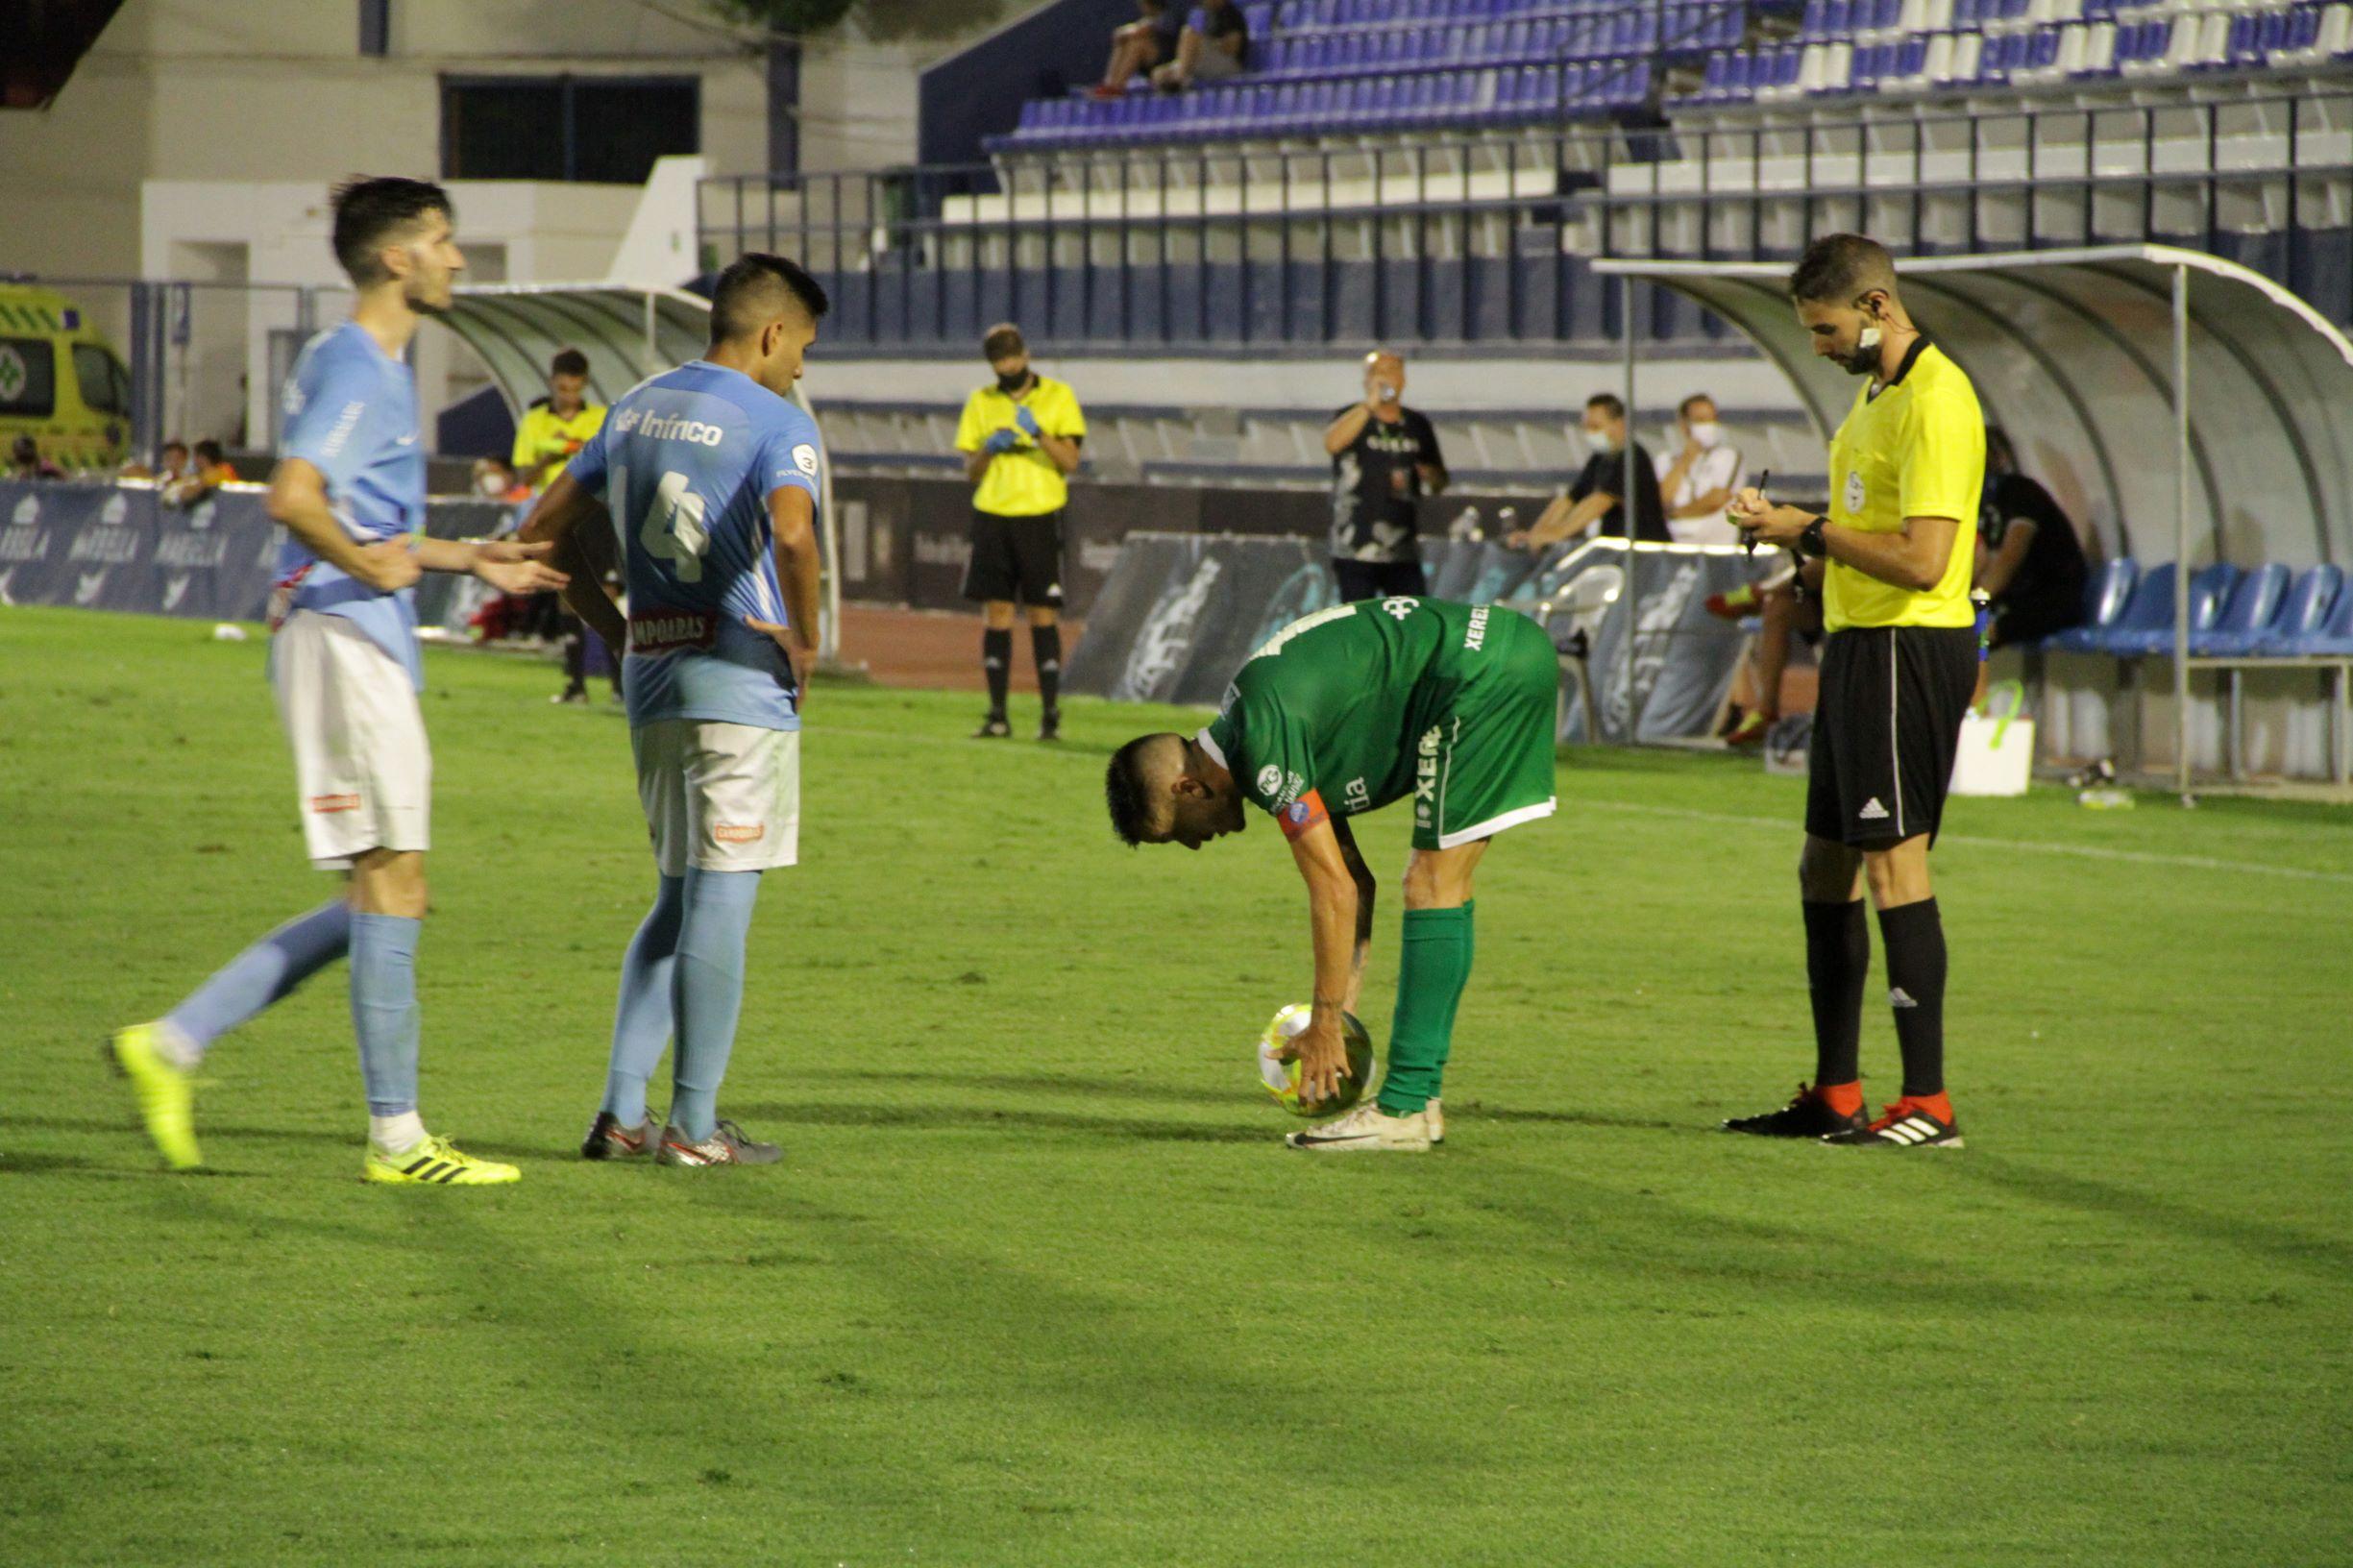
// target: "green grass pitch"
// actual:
[[1036, 1284]]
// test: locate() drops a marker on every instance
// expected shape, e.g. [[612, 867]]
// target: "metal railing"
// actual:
[[1484, 239]]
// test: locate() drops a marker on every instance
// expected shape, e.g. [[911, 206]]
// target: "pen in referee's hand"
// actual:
[[1748, 542]]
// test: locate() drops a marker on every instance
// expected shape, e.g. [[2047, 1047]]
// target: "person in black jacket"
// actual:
[[2031, 560]]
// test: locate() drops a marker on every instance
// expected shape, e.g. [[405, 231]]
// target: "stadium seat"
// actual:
[[2254, 605], [2209, 587], [2105, 599], [2303, 611]]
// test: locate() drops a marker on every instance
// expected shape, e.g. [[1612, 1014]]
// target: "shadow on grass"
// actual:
[[2157, 1212], [1134, 1086], [954, 1119]]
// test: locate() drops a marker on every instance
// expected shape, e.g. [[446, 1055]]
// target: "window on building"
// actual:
[[590, 128]]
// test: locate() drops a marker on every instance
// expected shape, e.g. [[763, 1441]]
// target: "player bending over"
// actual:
[[1339, 714], [712, 480], [350, 488]]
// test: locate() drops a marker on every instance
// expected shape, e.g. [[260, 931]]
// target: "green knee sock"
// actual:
[[1431, 977]]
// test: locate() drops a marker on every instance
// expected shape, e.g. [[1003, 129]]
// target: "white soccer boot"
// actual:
[[1366, 1131], [1436, 1115]]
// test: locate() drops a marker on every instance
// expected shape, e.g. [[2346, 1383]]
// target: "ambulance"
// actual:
[[60, 381]]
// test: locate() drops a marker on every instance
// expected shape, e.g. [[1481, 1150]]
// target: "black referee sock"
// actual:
[[996, 663], [1837, 957], [1915, 939], [1046, 647]]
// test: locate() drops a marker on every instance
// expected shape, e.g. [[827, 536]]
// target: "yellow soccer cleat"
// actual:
[[165, 1092], [436, 1162]]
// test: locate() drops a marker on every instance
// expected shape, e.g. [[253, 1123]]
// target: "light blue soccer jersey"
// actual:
[[686, 462], [351, 412]]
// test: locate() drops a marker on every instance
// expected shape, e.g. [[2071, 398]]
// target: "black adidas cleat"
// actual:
[[1906, 1124], [1806, 1116], [1049, 724], [994, 728]]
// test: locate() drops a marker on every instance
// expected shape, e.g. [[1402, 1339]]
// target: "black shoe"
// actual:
[[609, 1140], [1049, 724], [1903, 1125], [1804, 1117], [994, 728]]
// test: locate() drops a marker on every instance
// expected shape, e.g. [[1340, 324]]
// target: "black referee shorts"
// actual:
[[1016, 558], [1887, 727]]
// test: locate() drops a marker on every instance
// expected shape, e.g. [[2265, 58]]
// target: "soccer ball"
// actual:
[[1282, 1078]]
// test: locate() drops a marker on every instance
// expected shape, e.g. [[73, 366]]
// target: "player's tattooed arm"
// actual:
[[298, 500], [1333, 916], [555, 520]]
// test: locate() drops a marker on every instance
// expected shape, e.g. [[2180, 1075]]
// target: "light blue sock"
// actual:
[[641, 1019], [264, 973], [384, 1009], [707, 992]]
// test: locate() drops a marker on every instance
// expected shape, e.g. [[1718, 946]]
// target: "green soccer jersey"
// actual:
[[1339, 704]]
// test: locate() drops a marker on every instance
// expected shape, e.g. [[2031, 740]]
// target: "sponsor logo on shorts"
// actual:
[[1477, 632], [738, 832], [665, 631], [327, 805], [1426, 777], [1358, 798]]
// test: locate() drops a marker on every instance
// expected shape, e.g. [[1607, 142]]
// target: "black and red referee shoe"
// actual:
[[1907, 1124], [1807, 1115]]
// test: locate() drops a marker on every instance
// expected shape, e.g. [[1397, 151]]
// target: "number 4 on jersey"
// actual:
[[674, 530]]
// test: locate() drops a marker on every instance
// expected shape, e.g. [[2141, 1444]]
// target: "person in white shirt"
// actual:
[[1699, 479]]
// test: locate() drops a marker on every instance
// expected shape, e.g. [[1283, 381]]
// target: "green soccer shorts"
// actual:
[[1484, 761]]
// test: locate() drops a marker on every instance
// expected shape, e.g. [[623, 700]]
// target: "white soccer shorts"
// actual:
[[361, 765], [719, 797]]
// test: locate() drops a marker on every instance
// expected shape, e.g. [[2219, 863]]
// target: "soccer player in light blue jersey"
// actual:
[[710, 477], [350, 489]]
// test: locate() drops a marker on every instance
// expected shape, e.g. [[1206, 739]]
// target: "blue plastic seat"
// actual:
[[2210, 587], [2106, 596], [2316, 617], [2254, 605]]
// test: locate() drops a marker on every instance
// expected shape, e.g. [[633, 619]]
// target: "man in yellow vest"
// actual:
[[1020, 439], [552, 428], [1899, 667]]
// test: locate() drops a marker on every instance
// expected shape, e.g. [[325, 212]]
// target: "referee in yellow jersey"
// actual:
[[1898, 671], [1020, 439]]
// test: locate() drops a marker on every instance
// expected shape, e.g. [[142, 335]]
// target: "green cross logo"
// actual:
[[11, 375]]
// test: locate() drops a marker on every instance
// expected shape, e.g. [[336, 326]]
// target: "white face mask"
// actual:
[[1599, 442], [1706, 433], [490, 486]]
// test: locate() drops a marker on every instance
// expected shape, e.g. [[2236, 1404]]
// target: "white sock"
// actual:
[[174, 1047], [397, 1134]]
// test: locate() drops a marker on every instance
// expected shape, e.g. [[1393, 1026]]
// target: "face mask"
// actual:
[[1010, 384], [1600, 444], [1708, 433], [491, 486]]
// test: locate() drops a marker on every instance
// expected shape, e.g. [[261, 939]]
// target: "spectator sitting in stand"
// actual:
[[172, 463], [1597, 496], [206, 473], [1787, 605], [26, 462], [495, 479], [1218, 47], [1136, 49], [1698, 481]]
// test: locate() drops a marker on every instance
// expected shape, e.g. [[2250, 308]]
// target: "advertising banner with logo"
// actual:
[[120, 548], [1179, 613]]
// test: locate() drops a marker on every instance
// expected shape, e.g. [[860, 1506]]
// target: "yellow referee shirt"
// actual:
[[1022, 482], [544, 442], [1917, 450]]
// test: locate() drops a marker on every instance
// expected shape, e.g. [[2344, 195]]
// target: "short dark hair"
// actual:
[[1124, 792], [173, 446], [743, 298], [568, 362], [1684, 407], [1609, 403], [1002, 339], [368, 212], [211, 450], [1836, 268]]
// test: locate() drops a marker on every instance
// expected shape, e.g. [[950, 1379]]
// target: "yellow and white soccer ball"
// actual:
[[1282, 1078]]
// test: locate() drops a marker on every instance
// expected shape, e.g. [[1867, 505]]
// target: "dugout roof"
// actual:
[[2072, 353]]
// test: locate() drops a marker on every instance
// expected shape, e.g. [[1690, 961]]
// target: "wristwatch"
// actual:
[[1811, 540]]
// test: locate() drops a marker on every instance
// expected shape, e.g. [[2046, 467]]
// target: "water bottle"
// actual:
[[1465, 526]]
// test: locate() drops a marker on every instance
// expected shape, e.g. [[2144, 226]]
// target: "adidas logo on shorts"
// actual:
[[1872, 811]]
